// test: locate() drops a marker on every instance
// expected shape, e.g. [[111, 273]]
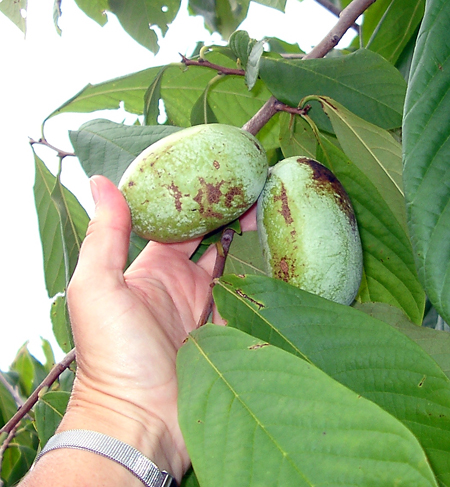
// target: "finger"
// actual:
[[104, 251], [248, 219]]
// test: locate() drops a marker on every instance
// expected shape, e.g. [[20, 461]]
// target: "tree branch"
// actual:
[[347, 18], [335, 11], [56, 371]]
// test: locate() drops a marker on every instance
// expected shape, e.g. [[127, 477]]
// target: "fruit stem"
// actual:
[[223, 246]]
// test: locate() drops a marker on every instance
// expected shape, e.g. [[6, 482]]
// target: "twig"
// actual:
[[335, 11], [56, 371], [222, 251], [267, 111], [5, 445], [207, 64], [61, 154]]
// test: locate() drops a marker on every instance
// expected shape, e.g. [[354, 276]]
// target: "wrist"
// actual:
[[91, 410]]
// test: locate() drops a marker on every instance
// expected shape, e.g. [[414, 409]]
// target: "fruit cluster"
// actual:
[[203, 177]]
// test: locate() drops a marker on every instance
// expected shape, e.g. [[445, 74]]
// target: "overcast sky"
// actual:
[[40, 73]]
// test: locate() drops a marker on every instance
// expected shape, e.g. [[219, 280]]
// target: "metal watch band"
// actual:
[[133, 460]]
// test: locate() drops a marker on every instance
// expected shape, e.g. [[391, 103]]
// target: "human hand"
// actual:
[[128, 328]]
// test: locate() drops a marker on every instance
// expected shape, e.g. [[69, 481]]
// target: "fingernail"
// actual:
[[94, 190]]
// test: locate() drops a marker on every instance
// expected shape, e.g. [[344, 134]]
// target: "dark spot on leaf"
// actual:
[[257, 346], [420, 384], [240, 293]]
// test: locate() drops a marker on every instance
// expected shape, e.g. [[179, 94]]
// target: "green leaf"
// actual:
[[61, 324], [48, 413], [138, 17], [221, 16], [426, 139], [62, 226], [435, 342], [202, 112], [253, 61], [296, 137], [95, 9], [364, 82], [268, 418], [389, 270], [57, 15], [388, 25], [129, 89], [152, 98], [245, 256], [8, 406], [13, 10], [108, 148], [17, 461], [276, 4], [48, 354], [30, 371], [189, 479], [239, 43], [365, 354]]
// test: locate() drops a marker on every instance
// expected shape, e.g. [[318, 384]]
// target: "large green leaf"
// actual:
[[138, 18], [388, 26], [363, 81], [389, 272], [253, 414], [105, 147], [365, 354], [129, 89], [435, 342], [62, 226], [426, 140], [49, 412]]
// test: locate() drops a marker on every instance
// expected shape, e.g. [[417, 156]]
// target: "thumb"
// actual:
[[104, 251]]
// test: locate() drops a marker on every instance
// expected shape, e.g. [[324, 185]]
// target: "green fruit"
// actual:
[[308, 231], [193, 182]]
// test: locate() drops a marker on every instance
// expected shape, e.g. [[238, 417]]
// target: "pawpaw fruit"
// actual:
[[193, 182], [308, 230]]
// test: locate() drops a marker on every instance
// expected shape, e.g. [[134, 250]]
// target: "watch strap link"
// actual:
[[126, 455]]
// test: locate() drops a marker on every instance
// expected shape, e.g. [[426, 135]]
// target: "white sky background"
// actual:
[[37, 75]]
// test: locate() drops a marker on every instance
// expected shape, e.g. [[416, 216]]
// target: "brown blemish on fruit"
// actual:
[[205, 211], [283, 269], [327, 182], [231, 194], [216, 164], [131, 184], [285, 211], [211, 191], [176, 194]]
